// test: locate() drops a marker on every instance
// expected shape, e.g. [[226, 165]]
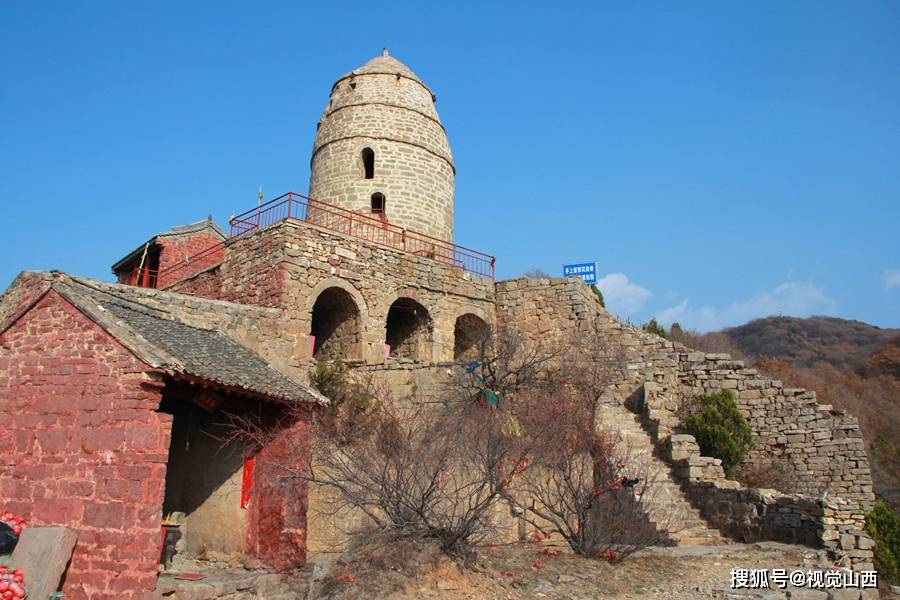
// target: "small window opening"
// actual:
[[368, 160], [378, 204]]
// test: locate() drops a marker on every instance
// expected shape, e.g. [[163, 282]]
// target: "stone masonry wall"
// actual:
[[385, 107], [85, 446], [748, 515], [291, 263], [24, 289], [206, 283], [823, 445]]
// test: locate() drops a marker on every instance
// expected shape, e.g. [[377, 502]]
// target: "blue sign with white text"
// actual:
[[587, 272]]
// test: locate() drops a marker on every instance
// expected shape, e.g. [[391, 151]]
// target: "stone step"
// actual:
[[666, 506]]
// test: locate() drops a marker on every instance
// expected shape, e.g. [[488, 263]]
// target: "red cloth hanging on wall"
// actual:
[[247, 480]]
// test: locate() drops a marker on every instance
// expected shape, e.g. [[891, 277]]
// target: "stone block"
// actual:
[[43, 553]]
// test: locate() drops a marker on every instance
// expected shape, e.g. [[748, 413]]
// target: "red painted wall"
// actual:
[[28, 286], [83, 447], [174, 250], [207, 284], [279, 499]]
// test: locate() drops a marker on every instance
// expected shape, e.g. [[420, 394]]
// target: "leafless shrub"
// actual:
[[588, 488], [521, 427], [774, 473], [428, 471], [584, 483], [415, 467]]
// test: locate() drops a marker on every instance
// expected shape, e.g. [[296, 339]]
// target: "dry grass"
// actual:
[[406, 568]]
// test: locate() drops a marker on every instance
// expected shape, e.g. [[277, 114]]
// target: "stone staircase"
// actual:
[[664, 502]]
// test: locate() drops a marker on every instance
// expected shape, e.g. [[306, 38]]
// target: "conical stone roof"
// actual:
[[384, 65]]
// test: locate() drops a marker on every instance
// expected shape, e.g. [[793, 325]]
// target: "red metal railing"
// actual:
[[363, 226]]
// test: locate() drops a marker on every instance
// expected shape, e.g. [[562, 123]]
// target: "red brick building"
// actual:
[[110, 397], [164, 258]]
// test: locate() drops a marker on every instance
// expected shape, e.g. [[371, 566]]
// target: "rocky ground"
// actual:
[[413, 569]]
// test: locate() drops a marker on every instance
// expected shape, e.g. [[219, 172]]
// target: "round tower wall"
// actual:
[[392, 114]]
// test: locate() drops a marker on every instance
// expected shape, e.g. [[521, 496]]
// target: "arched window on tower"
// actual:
[[368, 162], [378, 207]]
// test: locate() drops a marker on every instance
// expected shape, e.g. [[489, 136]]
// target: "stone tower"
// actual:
[[380, 149]]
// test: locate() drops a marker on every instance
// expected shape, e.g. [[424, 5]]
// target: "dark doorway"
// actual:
[[468, 335], [378, 205], [203, 478], [335, 325], [408, 331]]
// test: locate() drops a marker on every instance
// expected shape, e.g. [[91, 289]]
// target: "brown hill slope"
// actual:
[[851, 365], [806, 342], [885, 360]]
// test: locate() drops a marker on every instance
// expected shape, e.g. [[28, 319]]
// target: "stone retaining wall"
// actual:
[[750, 515], [823, 446]]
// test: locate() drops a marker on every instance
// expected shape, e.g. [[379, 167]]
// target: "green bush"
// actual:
[[652, 326], [330, 378], [597, 291], [719, 427], [354, 408], [883, 524]]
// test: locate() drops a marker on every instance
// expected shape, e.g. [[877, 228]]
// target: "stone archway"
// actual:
[[469, 332], [409, 330], [336, 326]]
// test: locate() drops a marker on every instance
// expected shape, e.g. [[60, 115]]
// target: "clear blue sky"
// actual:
[[718, 160]]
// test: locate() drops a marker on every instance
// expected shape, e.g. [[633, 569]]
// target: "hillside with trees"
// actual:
[[808, 342]]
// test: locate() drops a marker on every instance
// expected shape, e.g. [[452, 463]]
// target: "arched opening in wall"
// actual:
[[408, 330], [368, 163], [468, 335], [378, 207], [336, 328]]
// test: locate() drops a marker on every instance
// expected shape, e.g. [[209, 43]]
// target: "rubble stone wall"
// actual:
[[291, 263], [749, 515], [25, 289], [206, 283], [823, 446]]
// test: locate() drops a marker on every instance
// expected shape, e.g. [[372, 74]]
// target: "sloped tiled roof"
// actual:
[[163, 341], [177, 230]]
